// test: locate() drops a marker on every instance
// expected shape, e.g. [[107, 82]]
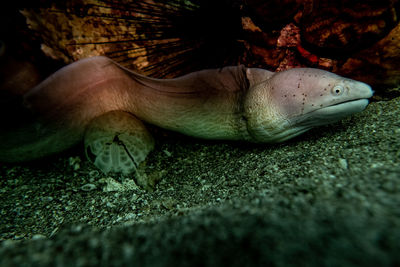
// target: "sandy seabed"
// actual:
[[329, 197]]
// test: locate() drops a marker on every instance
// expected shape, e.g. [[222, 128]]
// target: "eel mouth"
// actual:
[[343, 108], [332, 113]]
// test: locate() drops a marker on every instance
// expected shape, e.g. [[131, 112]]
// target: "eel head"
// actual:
[[294, 101]]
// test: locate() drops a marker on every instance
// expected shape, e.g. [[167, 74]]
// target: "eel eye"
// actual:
[[337, 90]]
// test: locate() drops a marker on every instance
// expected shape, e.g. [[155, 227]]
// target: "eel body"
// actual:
[[232, 103]]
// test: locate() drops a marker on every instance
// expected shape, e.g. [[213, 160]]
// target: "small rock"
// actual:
[[343, 163], [94, 174], [88, 187], [167, 153], [74, 162], [113, 185], [38, 236], [169, 203]]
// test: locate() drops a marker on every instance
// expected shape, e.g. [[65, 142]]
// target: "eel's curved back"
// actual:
[[202, 104]]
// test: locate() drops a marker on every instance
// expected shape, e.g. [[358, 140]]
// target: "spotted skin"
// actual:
[[117, 142]]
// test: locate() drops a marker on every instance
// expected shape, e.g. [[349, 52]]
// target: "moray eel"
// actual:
[[104, 104]]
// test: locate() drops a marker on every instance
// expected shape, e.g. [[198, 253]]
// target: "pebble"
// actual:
[[88, 187], [343, 163], [167, 153], [74, 162], [94, 174], [38, 236]]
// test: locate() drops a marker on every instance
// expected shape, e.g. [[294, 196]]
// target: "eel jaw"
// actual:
[[333, 113], [319, 117]]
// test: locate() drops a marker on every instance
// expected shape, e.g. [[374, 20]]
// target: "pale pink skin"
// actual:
[[232, 103]]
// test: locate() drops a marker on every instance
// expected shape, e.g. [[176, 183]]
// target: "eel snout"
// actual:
[[294, 101]]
